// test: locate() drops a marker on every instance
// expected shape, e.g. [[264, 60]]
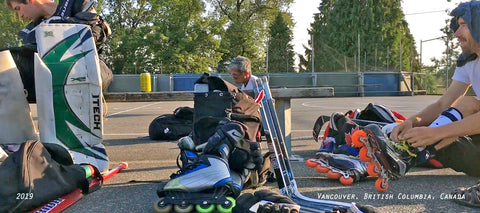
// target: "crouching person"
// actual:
[[59, 69]]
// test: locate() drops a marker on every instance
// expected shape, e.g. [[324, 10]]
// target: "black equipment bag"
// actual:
[[172, 126], [30, 178]]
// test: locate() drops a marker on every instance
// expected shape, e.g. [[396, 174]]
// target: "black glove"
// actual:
[[265, 201], [256, 155], [229, 134], [242, 159]]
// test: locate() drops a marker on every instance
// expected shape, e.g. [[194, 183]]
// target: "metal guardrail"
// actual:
[[345, 84]]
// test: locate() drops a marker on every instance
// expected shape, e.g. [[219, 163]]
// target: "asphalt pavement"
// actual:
[[150, 162]]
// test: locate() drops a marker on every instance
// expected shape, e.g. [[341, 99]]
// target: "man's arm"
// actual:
[[446, 134], [431, 112]]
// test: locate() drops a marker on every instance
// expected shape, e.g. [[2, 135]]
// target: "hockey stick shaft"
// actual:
[[281, 165], [62, 203]]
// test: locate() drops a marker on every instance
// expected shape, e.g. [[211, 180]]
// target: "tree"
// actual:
[[246, 28], [349, 34], [11, 26], [280, 49], [170, 36], [444, 67]]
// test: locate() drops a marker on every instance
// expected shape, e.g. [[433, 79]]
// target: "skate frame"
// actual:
[[280, 161]]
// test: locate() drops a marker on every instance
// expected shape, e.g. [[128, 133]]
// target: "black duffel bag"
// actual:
[[172, 126]]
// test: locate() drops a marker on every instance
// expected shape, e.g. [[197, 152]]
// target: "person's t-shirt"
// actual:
[[65, 8], [249, 85], [469, 74]]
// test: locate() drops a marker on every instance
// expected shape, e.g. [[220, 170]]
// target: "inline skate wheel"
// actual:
[[371, 169], [205, 208], [357, 138], [381, 185], [183, 208], [333, 175], [322, 169], [227, 206], [310, 163], [161, 207], [363, 154], [346, 181]]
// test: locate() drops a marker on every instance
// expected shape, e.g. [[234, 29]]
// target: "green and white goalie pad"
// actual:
[[69, 92]]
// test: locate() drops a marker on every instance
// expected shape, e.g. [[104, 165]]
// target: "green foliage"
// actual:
[[11, 25], [246, 28], [444, 67], [375, 27], [170, 36], [280, 49]]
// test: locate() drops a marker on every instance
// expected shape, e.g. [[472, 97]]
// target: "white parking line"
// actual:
[[128, 110], [127, 134]]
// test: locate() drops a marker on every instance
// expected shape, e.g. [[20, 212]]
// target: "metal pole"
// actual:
[[401, 63], [266, 70], [314, 80], [365, 61], [358, 49], [421, 63], [388, 56], [448, 65], [313, 56], [354, 62]]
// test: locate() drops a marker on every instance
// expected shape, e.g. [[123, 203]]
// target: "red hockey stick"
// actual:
[[66, 201]]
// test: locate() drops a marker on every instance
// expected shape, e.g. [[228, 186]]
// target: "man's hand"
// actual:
[[422, 136], [399, 131]]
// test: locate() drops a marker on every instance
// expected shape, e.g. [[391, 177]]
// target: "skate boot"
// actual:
[[347, 169], [387, 159], [203, 184], [337, 137]]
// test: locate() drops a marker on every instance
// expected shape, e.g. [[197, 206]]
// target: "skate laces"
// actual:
[[402, 145], [186, 167]]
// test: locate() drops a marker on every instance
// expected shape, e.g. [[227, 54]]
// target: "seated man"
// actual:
[[447, 130], [241, 70]]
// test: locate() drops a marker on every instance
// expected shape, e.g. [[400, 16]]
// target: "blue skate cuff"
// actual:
[[347, 150], [190, 154]]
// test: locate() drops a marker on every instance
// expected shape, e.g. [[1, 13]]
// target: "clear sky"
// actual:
[[425, 19]]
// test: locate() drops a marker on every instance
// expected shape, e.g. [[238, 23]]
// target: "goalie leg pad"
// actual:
[[16, 124], [69, 92]]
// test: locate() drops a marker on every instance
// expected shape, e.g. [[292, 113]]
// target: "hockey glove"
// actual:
[[255, 153], [224, 140], [265, 201]]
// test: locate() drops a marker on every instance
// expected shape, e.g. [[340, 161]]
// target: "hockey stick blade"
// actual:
[[259, 97]]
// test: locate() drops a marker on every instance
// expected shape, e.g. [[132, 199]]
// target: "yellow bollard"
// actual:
[[145, 82]]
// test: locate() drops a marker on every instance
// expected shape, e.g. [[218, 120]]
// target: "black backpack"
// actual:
[[172, 126], [223, 100]]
